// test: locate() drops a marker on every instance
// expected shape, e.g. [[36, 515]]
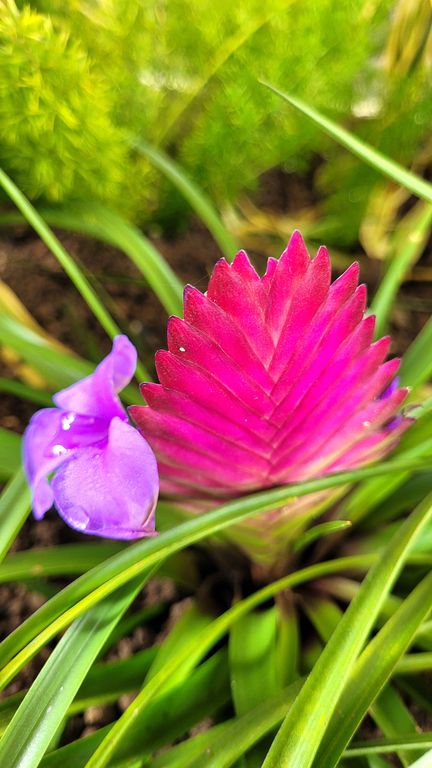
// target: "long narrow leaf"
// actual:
[[195, 196], [30, 732], [14, 508], [408, 251], [60, 368], [377, 160], [373, 669], [102, 223], [10, 453], [65, 259], [166, 719], [319, 696], [101, 581], [416, 365]]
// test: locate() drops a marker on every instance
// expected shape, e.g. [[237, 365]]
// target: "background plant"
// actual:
[[92, 74]]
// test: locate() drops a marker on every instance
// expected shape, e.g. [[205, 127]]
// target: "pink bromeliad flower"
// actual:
[[269, 381]]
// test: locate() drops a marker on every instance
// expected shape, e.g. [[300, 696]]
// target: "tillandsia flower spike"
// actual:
[[106, 479], [269, 381]]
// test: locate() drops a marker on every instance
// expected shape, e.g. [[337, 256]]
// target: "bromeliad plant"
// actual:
[[271, 426], [266, 381]]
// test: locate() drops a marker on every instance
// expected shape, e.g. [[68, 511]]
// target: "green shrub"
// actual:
[[182, 74]]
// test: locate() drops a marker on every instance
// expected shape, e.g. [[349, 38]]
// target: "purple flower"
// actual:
[[106, 479]]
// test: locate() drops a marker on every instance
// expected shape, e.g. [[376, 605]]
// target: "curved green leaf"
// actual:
[[314, 706], [14, 508], [377, 160], [101, 581], [65, 259], [193, 194], [38, 717]]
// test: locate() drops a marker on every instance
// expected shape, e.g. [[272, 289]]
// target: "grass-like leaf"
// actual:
[[416, 365], [166, 719], [101, 581], [252, 659], [408, 250], [14, 508], [197, 199], [65, 259], [58, 367], [30, 731], [377, 160], [104, 224], [10, 453], [373, 668], [313, 708], [24, 391]]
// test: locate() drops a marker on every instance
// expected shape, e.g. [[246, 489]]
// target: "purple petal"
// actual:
[[50, 439], [96, 395], [110, 489]]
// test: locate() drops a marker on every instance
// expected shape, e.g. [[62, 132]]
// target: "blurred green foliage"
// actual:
[[56, 134], [78, 77]]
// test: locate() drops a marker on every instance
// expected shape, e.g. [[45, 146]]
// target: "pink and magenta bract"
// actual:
[[270, 380]]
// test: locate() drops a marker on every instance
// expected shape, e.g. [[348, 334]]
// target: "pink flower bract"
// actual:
[[270, 380]]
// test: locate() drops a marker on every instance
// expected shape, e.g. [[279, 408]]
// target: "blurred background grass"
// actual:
[[78, 79]]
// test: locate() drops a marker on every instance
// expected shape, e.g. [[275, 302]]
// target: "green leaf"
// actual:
[[106, 225], [318, 531], [65, 259], [75, 559], [252, 659], [192, 653], [287, 639], [104, 683], [101, 581], [65, 560], [10, 453], [253, 667], [368, 495], [192, 622], [14, 508], [406, 249], [197, 199], [166, 719], [414, 663], [25, 392], [377, 160], [416, 365], [393, 718], [374, 667], [222, 745], [58, 367], [377, 746], [30, 732], [314, 706]]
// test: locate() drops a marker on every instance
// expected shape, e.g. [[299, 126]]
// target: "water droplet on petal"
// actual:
[[78, 518], [58, 450], [67, 421], [182, 349]]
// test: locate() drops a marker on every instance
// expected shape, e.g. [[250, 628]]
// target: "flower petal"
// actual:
[[110, 489], [96, 395], [50, 439]]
